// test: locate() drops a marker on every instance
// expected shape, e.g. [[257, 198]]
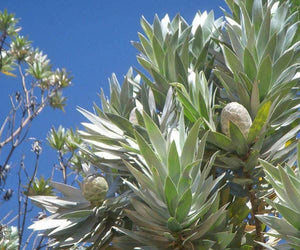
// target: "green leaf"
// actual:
[[252, 159], [232, 61], [289, 214], [259, 122], [204, 227], [238, 210], [158, 183], [185, 178], [263, 35], [246, 80], [140, 177], [173, 225], [76, 214], [254, 99], [232, 162], [184, 206], [290, 189], [238, 139], [202, 57], [282, 64], [257, 14], [125, 95], [174, 163], [249, 65], [246, 23], [271, 47], [149, 155], [220, 140], [121, 122], [183, 52], [197, 44], [224, 238], [156, 137], [190, 145], [161, 82], [243, 94], [180, 69], [159, 54], [264, 76], [171, 195], [144, 63], [147, 28], [235, 41], [146, 46], [201, 148], [189, 110], [203, 209], [228, 83], [157, 29], [277, 224]]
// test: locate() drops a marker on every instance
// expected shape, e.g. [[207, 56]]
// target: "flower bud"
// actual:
[[94, 189]]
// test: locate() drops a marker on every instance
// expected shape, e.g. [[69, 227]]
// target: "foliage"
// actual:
[[285, 183], [175, 179], [9, 239]]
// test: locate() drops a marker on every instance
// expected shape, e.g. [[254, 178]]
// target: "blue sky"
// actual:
[[91, 39]]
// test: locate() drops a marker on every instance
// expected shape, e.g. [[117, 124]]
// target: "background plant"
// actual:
[[39, 86]]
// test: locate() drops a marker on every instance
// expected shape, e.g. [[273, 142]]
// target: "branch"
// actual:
[[25, 122], [26, 200], [254, 212], [63, 166], [25, 91]]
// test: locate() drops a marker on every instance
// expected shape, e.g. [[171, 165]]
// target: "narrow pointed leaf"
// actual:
[[171, 195], [149, 155], [264, 77], [174, 164], [190, 145], [184, 206], [249, 65], [156, 137], [259, 122], [238, 139]]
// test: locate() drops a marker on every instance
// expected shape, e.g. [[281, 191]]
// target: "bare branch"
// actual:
[[21, 231], [27, 106]]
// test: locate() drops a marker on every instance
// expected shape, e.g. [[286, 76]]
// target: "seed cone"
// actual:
[[94, 189], [237, 114]]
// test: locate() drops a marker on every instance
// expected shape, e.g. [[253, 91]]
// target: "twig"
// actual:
[[28, 240], [39, 245], [19, 196], [3, 126], [5, 217], [24, 123], [25, 90], [63, 166], [26, 200]]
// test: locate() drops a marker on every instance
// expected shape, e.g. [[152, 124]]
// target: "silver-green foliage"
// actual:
[[286, 184], [158, 139]]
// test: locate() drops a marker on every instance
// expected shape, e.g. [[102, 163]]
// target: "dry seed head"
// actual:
[[237, 114]]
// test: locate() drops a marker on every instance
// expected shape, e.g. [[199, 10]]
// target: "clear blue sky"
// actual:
[[91, 39]]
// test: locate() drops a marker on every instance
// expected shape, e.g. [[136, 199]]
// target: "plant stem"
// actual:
[[254, 212]]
